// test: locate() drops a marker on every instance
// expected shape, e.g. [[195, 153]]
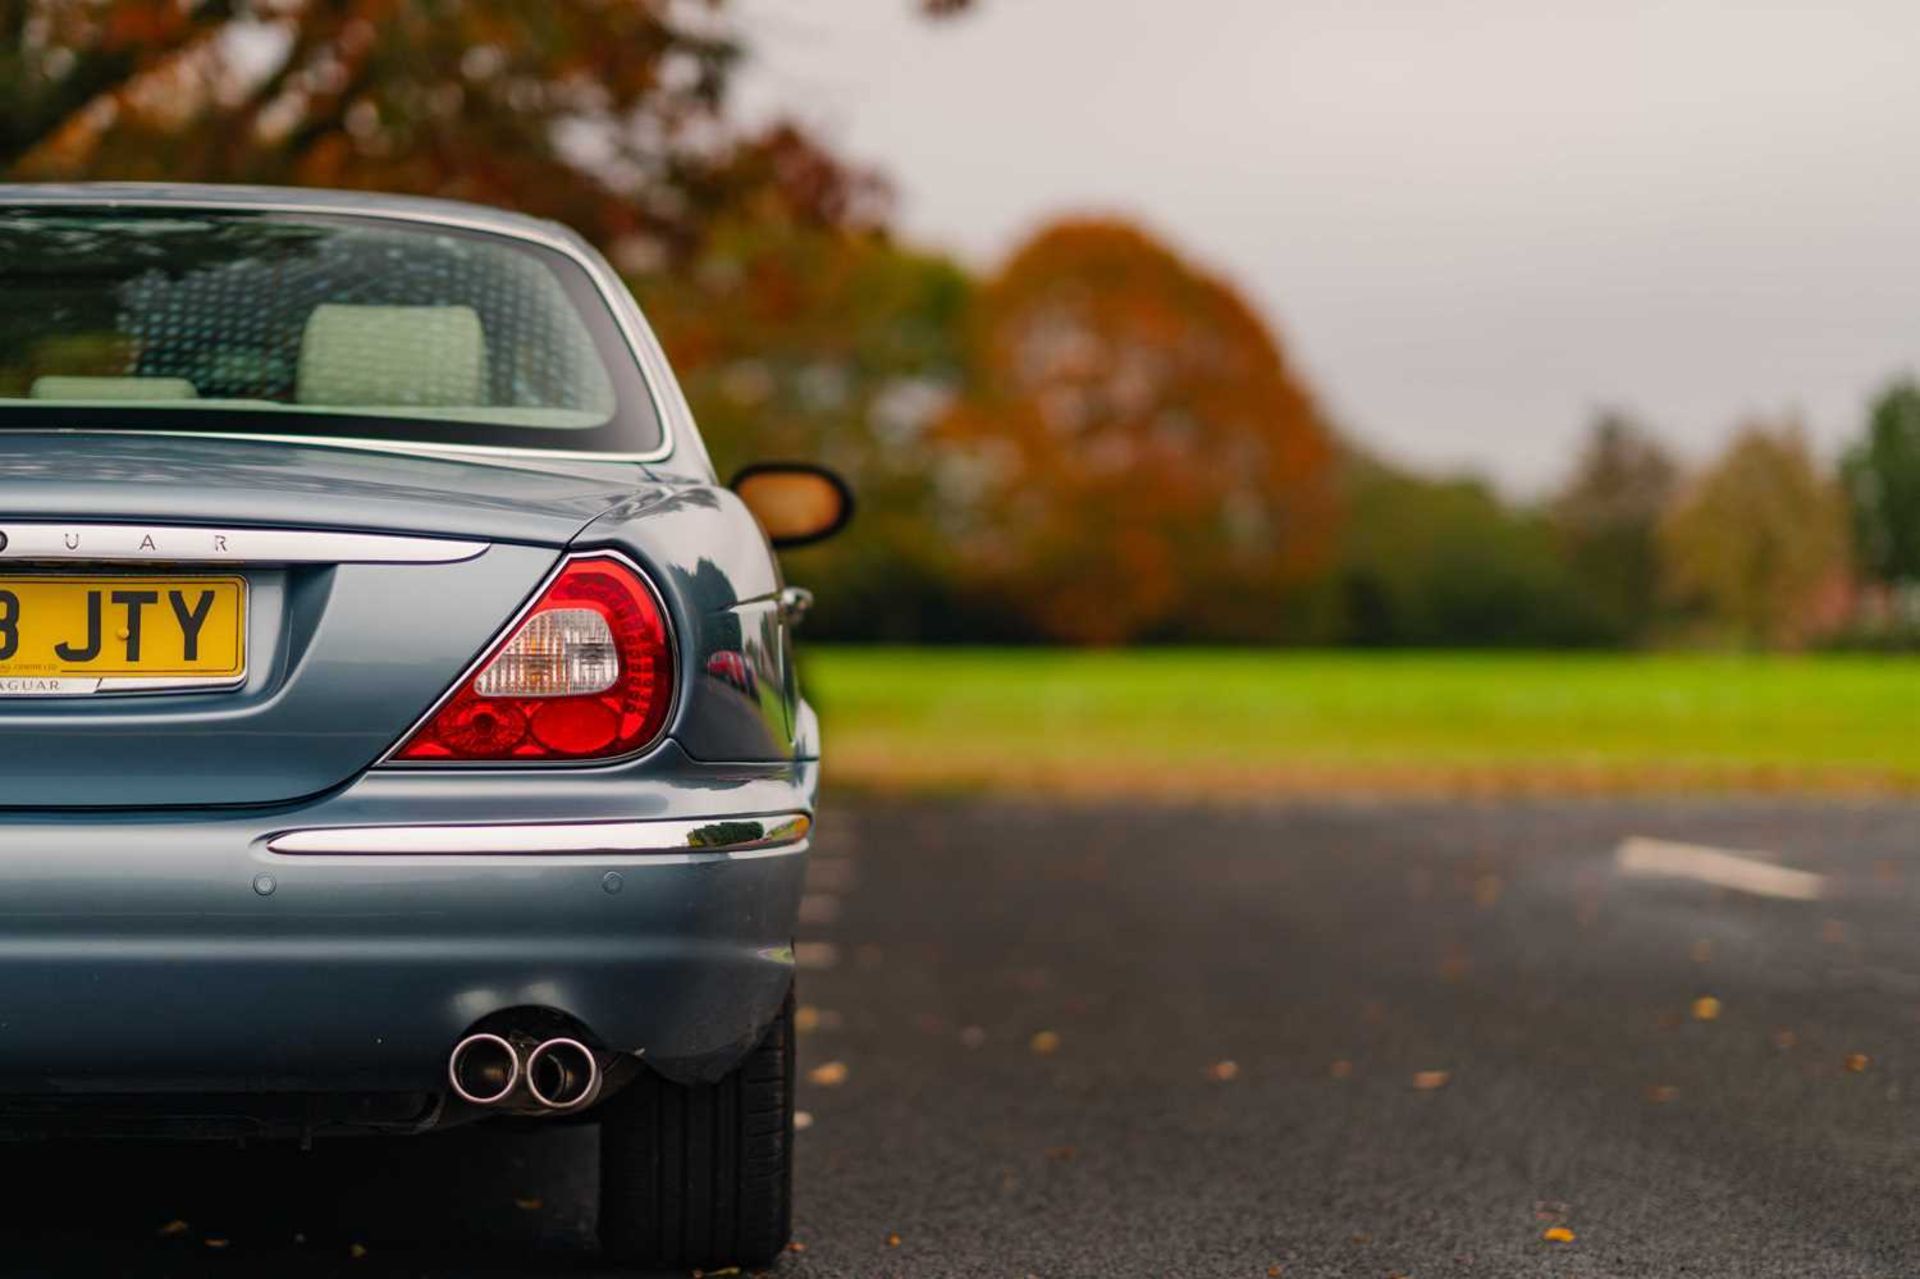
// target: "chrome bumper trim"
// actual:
[[674, 842], [197, 544]]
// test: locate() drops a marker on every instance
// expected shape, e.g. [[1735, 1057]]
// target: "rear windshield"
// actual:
[[308, 325]]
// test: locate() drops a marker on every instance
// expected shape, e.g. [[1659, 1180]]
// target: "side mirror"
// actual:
[[797, 503]]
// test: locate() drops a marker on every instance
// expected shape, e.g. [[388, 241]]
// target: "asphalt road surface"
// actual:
[[1110, 1041]]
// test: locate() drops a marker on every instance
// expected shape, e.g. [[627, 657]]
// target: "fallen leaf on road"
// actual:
[[1061, 1154], [893, 1241], [357, 1251], [1557, 1234], [1046, 1043], [829, 1074], [1486, 891], [796, 1246], [1858, 1062], [1428, 1080], [1223, 1071], [1661, 1094], [528, 1203], [173, 1228], [1784, 1039], [802, 1120], [1706, 1008], [816, 956], [1341, 1069], [806, 1019], [216, 1243], [1274, 1272]]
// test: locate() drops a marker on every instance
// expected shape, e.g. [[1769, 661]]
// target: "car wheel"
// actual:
[[701, 1175]]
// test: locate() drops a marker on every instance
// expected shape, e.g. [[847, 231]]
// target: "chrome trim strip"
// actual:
[[71, 686], [195, 544], [668, 842], [626, 312], [406, 448], [135, 684], [499, 643]]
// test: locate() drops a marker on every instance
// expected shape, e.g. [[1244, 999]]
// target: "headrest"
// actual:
[[83, 389], [374, 356]]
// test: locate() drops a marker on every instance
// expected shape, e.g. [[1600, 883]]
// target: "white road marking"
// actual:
[[1742, 872]]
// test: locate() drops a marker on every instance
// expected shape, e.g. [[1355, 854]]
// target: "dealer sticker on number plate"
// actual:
[[83, 633]]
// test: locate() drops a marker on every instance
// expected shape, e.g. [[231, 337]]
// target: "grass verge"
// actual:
[[1183, 723]]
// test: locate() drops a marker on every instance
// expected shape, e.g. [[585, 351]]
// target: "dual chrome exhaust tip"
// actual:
[[562, 1074], [557, 1074]]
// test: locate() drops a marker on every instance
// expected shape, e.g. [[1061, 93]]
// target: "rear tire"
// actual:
[[701, 1175]]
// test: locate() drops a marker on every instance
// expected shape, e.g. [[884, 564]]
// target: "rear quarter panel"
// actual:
[[722, 587]]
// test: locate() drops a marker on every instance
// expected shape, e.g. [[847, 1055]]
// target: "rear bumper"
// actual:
[[185, 953]]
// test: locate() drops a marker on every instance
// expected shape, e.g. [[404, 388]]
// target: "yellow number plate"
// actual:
[[58, 630]]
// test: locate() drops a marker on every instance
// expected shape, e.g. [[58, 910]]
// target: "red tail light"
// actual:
[[586, 674]]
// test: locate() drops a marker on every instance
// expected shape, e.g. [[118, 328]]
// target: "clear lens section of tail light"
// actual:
[[586, 674], [563, 652]]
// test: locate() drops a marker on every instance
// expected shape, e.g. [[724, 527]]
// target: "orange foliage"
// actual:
[[1140, 457], [611, 116]]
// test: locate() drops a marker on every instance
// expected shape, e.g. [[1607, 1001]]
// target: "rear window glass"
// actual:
[[296, 325]]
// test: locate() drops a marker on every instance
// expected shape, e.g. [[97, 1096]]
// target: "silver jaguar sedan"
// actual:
[[398, 724]]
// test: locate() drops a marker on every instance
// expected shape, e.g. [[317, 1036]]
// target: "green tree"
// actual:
[[1608, 517], [1882, 476], [1444, 563], [1755, 540]]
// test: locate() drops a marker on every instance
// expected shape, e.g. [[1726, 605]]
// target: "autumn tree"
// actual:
[[1134, 453], [1607, 517], [1882, 475], [1756, 539], [801, 330], [609, 115]]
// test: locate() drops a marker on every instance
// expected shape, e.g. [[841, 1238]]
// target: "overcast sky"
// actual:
[[1472, 221]]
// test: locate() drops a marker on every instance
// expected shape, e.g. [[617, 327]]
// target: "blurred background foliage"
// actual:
[[1120, 401], [1098, 441]]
